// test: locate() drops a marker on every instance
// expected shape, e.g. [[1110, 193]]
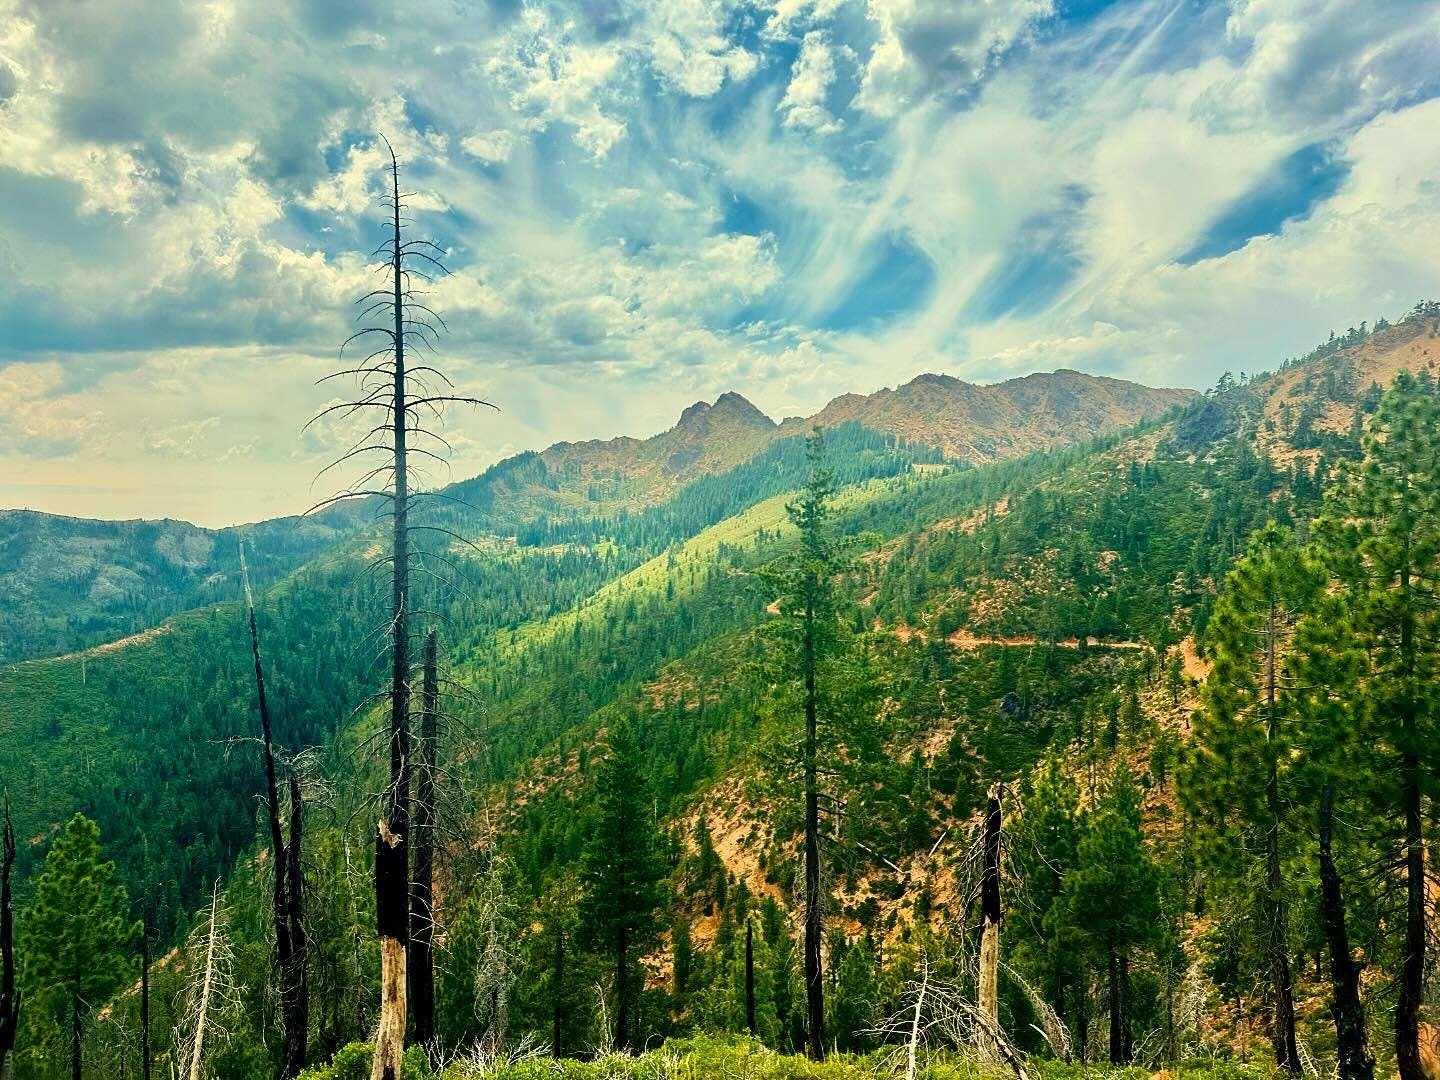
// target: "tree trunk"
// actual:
[[750, 978], [285, 860], [990, 913], [1287, 1052], [814, 925], [422, 889], [9, 995], [1117, 1038], [1127, 1030], [1355, 1062], [75, 1071], [556, 982], [295, 988], [1412, 966], [392, 835], [1082, 1022], [622, 991], [145, 999]]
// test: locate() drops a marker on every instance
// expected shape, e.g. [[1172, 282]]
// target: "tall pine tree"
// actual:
[[1240, 778], [1375, 646], [623, 869], [1114, 893], [79, 937]]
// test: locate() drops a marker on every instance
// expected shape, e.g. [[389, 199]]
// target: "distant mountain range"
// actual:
[[70, 583]]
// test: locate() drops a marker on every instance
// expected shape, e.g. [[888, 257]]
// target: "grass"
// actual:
[[714, 1057]]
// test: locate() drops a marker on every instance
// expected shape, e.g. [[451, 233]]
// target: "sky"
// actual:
[[645, 203]]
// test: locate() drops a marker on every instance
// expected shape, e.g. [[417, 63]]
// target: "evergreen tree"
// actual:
[[1240, 779], [1375, 646], [623, 869], [1044, 841], [79, 938], [1113, 893]]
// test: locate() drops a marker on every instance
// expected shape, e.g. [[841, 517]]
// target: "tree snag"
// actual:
[[422, 918], [990, 911], [287, 899]]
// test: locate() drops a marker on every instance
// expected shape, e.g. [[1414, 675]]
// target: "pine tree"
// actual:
[[1044, 841], [1111, 863], [79, 938], [1239, 781], [623, 869], [1374, 645], [822, 683]]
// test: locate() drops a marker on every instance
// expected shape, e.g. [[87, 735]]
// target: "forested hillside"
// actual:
[[856, 744]]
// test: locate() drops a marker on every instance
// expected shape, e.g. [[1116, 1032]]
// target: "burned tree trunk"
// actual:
[[422, 919], [392, 835], [387, 382], [295, 985], [990, 912], [1355, 1062], [287, 903], [9, 995]]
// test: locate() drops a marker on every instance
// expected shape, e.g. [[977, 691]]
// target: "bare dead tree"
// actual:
[[210, 990], [422, 888], [9, 995], [402, 397], [288, 897], [991, 913]]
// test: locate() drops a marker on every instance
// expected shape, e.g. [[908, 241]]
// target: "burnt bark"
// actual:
[[422, 888], [287, 897], [990, 911], [392, 834], [1355, 1061]]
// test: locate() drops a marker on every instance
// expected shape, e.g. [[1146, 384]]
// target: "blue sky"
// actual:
[[649, 202]]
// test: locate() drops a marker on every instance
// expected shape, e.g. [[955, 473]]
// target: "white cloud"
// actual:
[[810, 79]]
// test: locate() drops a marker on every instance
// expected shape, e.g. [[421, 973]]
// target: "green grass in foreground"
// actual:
[[722, 1058]]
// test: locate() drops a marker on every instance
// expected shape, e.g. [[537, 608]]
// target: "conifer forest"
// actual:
[[1074, 715]]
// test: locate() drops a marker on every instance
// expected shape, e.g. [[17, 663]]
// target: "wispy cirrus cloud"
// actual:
[[647, 203]]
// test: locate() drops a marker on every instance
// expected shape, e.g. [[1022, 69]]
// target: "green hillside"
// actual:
[[1042, 624]]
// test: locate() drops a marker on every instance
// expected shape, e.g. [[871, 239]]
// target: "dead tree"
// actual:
[[422, 888], [9, 995], [1355, 1061], [990, 913], [404, 398], [210, 990], [288, 902]]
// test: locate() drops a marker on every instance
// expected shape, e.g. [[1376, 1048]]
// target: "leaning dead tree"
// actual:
[[9, 995], [210, 990], [288, 898], [403, 399]]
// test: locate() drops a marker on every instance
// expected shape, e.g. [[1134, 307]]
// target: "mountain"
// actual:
[[1047, 607], [976, 423], [72, 583]]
